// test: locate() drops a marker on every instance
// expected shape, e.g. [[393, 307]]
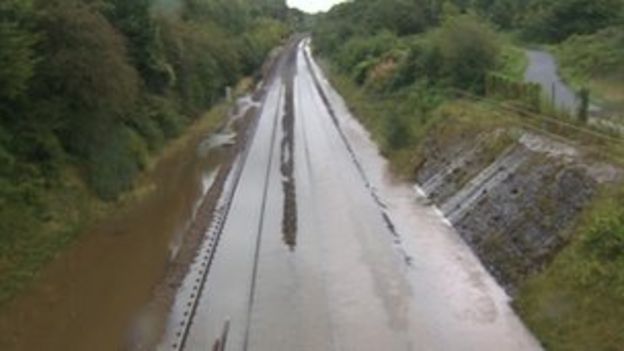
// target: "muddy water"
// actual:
[[93, 293]]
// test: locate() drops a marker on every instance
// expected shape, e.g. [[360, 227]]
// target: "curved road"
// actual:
[[321, 251], [542, 69]]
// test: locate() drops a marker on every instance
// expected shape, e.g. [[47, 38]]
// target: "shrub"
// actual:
[[602, 245], [469, 49], [16, 60], [556, 20], [596, 55], [361, 49], [169, 121], [116, 163], [422, 62]]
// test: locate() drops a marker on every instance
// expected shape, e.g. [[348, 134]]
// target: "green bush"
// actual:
[[360, 49], [556, 20], [115, 163], [602, 242], [360, 71], [169, 121], [469, 48], [422, 62], [148, 127], [256, 43], [15, 74], [598, 55]]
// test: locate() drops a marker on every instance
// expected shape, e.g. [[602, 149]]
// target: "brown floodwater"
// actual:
[[93, 293]]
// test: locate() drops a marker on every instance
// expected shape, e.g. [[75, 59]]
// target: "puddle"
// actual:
[[215, 141], [207, 180]]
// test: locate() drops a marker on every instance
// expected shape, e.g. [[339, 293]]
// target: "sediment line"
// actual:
[[391, 227], [289, 218]]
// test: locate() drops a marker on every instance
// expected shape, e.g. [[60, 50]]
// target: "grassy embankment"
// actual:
[[575, 304], [448, 120], [514, 62], [399, 117], [578, 302], [395, 73]]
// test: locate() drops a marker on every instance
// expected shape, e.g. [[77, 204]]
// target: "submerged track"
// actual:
[[322, 252]]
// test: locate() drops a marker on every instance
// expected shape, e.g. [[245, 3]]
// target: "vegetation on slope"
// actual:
[[596, 60], [400, 75], [585, 35], [578, 302], [406, 76], [91, 89]]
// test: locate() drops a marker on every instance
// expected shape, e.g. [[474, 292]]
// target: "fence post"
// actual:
[[583, 108]]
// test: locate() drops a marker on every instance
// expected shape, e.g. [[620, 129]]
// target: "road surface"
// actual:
[[542, 69], [320, 250]]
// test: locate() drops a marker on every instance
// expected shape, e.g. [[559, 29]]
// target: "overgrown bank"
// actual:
[[91, 92], [540, 214], [596, 61], [535, 197]]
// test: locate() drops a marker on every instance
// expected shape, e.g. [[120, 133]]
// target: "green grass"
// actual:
[[578, 302], [513, 63], [595, 61], [401, 122], [398, 136]]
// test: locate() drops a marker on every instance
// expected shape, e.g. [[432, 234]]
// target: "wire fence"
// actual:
[[601, 138], [605, 144]]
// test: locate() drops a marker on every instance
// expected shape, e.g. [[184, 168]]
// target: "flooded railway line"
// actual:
[[314, 248]]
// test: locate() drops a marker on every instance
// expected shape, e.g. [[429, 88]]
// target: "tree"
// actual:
[[583, 108], [468, 49], [556, 20], [504, 13], [145, 49], [17, 56], [402, 17], [86, 70]]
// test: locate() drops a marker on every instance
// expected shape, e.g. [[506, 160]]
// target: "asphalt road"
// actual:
[[321, 250]]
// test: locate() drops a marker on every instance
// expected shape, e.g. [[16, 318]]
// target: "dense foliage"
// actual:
[[556, 20], [551, 20], [414, 49], [390, 46], [90, 88], [84, 78], [597, 58]]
